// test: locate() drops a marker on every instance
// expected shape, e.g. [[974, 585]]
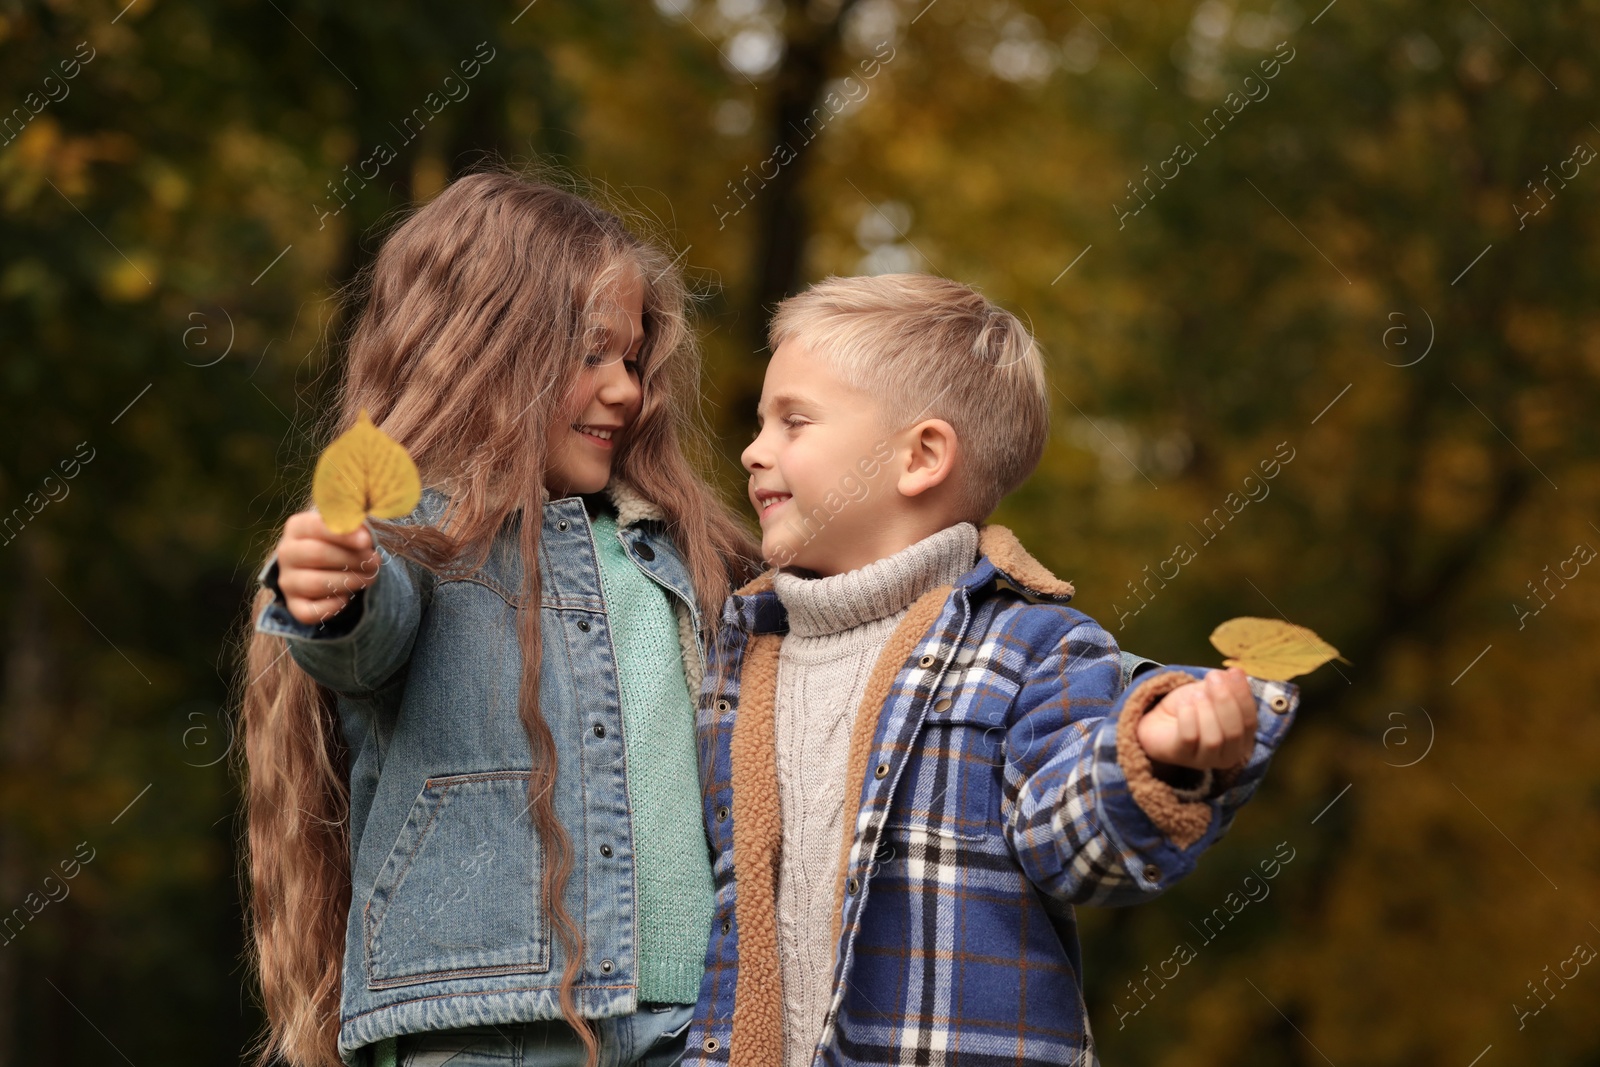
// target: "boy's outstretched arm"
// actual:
[[1091, 817]]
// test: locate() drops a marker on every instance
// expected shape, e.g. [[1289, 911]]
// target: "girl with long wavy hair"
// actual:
[[473, 811]]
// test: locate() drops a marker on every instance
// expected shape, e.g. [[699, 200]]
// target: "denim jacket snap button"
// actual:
[[599, 729], [583, 624], [605, 850], [562, 525], [646, 553], [606, 966]]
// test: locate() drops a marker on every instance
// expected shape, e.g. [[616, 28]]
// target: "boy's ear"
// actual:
[[930, 457]]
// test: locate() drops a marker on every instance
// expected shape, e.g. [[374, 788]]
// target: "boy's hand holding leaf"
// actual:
[[1208, 724], [1213, 724]]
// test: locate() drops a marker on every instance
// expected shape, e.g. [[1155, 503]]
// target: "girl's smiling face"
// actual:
[[605, 398]]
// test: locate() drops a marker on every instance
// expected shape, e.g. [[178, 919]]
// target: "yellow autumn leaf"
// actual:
[[364, 472], [1271, 648]]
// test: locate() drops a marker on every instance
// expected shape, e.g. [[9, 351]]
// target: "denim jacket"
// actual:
[[446, 925]]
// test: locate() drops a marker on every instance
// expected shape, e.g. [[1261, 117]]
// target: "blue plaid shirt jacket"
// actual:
[[1000, 784]]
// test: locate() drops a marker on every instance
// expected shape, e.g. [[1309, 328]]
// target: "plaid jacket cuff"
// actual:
[[1162, 827]]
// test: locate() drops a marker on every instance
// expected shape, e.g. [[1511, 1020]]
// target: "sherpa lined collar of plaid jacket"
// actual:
[[1000, 783]]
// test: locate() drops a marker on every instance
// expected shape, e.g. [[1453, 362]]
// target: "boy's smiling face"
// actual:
[[820, 454]]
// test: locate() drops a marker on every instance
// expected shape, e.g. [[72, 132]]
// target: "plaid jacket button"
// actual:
[[722, 707], [712, 1044], [1279, 702], [853, 886], [942, 705], [882, 771], [926, 661], [722, 813], [1152, 872], [727, 927]]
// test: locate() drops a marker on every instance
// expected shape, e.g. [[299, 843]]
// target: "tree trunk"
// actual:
[[782, 223]]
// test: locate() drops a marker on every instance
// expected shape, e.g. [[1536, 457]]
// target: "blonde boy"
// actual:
[[916, 756]]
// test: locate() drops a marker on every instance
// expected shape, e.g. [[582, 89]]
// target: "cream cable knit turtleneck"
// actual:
[[837, 628]]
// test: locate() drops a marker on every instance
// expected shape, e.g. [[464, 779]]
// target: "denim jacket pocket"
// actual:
[[461, 894]]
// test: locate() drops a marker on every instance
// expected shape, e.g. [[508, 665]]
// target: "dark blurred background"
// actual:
[[1370, 269]]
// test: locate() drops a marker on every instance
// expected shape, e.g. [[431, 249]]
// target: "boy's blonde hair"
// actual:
[[929, 347]]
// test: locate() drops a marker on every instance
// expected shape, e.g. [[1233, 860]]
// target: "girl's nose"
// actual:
[[617, 386]]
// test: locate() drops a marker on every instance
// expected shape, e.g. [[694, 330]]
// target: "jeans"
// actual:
[[651, 1037]]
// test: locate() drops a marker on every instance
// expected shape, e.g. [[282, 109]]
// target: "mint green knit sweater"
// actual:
[[675, 899]]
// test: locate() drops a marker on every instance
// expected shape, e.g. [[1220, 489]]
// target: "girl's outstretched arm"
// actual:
[[349, 610]]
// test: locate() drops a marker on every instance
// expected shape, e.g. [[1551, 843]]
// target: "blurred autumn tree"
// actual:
[[1405, 182]]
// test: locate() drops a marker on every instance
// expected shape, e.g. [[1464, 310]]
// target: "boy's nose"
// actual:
[[754, 456]]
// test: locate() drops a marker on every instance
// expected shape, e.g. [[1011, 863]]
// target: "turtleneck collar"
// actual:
[[821, 606]]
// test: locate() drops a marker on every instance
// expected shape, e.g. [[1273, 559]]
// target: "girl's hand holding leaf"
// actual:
[[318, 570], [364, 472]]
